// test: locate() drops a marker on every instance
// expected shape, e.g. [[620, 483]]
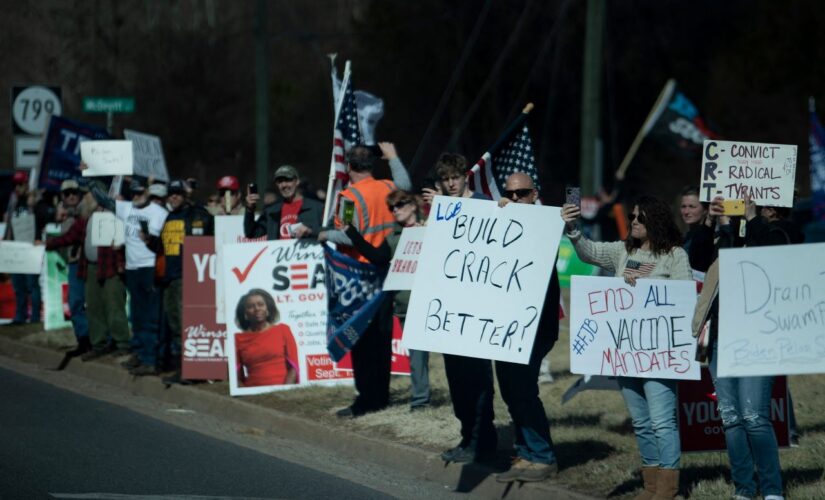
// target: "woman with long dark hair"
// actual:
[[266, 351], [652, 250]]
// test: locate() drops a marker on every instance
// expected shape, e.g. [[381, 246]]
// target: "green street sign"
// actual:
[[109, 104]]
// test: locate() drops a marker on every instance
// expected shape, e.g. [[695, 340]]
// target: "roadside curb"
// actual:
[[470, 478]]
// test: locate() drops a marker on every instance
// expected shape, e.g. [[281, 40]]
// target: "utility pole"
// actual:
[[590, 166], [261, 96]]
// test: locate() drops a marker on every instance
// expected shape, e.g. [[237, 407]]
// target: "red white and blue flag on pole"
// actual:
[[816, 140], [345, 135], [490, 173]]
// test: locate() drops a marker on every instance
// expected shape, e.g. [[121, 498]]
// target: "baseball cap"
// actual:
[[20, 177], [286, 172], [158, 190], [229, 182], [69, 184], [177, 186]]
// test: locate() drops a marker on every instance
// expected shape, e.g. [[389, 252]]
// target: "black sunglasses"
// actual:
[[70, 192], [520, 193], [399, 205], [641, 218]]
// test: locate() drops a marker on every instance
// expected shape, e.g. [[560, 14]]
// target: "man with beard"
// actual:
[[292, 216]]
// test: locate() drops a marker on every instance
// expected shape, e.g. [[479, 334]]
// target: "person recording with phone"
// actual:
[[652, 250], [291, 217]]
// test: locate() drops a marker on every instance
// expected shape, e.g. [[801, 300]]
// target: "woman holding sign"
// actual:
[[652, 250], [266, 351]]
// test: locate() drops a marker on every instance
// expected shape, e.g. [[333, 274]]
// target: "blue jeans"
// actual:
[[652, 407], [25, 285], [519, 385], [144, 313], [744, 405], [77, 302]]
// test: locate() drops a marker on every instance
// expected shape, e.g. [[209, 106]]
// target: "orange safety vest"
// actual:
[[372, 217]]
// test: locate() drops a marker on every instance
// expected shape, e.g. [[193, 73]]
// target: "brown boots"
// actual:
[[649, 476], [659, 484]]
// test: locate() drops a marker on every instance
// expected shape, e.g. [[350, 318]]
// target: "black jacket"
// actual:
[[269, 223]]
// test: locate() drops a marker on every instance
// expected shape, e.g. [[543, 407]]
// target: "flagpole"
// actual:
[[520, 119], [654, 115], [331, 182]]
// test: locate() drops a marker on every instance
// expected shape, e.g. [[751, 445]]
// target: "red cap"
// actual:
[[229, 182], [20, 177]]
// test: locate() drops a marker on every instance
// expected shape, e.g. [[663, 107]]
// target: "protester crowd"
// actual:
[[157, 217]]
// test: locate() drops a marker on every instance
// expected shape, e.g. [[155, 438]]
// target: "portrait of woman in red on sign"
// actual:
[[266, 353]]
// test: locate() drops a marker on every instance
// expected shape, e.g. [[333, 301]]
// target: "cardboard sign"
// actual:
[[405, 261], [765, 172], [55, 292], [202, 339], [291, 274], [107, 230], [21, 258], [483, 273], [148, 155], [772, 310], [632, 331], [60, 158], [106, 158], [700, 426], [228, 230]]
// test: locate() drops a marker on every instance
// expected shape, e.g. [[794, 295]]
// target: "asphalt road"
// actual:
[[59, 444]]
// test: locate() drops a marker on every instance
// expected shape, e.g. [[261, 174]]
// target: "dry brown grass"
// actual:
[[592, 434]]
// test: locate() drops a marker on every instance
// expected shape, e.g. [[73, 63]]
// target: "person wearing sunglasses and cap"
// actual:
[[184, 219], [653, 250], [229, 202]]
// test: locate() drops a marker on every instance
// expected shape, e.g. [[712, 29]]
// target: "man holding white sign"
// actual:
[[652, 250], [518, 383]]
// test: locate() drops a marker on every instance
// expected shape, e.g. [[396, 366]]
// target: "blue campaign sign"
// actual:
[[61, 150]]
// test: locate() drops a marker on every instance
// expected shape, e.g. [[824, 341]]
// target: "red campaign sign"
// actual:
[[400, 356], [700, 426], [202, 339]]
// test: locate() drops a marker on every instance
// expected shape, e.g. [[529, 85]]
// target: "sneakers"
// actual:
[[527, 471], [132, 362]]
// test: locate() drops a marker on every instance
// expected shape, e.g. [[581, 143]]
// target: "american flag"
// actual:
[[490, 173], [635, 269], [347, 134]]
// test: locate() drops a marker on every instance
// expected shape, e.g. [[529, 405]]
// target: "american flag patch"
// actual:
[[635, 269]]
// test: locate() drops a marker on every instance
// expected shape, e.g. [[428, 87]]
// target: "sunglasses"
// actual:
[[70, 192], [399, 205], [641, 219], [520, 193], [224, 191]]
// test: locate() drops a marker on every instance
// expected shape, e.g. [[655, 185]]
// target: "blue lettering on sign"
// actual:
[[449, 212]]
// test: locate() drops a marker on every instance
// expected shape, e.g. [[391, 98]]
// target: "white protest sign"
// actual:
[[21, 258], [765, 172], [23, 226], [106, 230], [106, 158], [405, 261], [148, 155], [291, 275], [772, 310], [481, 280], [228, 230], [632, 331]]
